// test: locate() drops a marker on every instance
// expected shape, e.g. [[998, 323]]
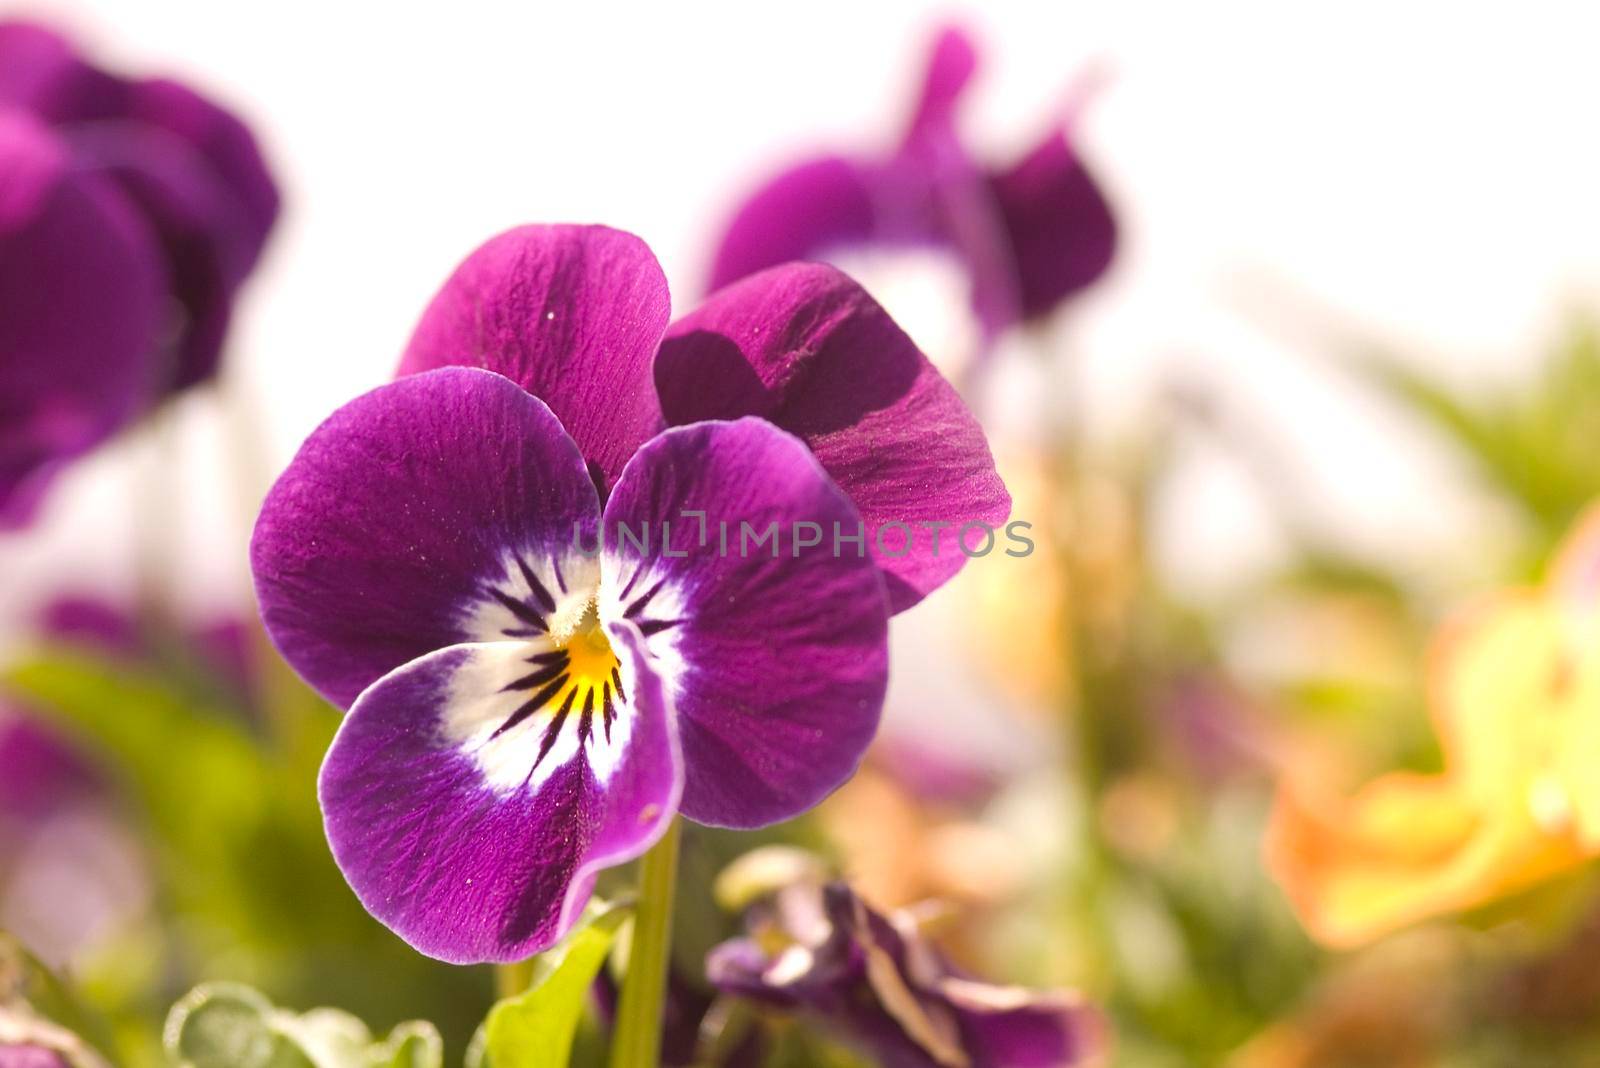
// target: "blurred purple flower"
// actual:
[[1215, 728], [874, 980], [684, 1014], [70, 871], [28, 1055], [936, 774], [219, 645], [1029, 235], [131, 211]]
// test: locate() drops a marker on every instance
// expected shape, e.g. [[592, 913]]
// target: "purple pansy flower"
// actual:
[[578, 316], [524, 709], [533, 696], [1029, 235], [875, 981], [131, 211], [524, 714]]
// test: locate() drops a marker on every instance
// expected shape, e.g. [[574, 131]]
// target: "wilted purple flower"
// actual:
[[1029, 235], [130, 213], [525, 710], [875, 981]]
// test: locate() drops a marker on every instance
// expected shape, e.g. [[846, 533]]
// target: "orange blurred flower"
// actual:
[[1514, 689]]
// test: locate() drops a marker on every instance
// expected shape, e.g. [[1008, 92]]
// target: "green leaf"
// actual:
[[1534, 443], [229, 1025], [535, 1029], [226, 1025]]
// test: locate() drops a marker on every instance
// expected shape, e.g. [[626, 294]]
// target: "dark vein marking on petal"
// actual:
[[530, 706], [561, 580], [554, 656], [552, 732], [616, 680], [520, 610], [586, 720], [537, 678], [609, 711], [523, 632], [540, 594], [623, 596], [639, 605], [649, 627]]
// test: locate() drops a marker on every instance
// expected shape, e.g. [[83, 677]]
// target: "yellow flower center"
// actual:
[[591, 665]]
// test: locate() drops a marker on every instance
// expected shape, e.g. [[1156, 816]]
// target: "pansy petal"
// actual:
[[233, 155], [810, 210], [408, 521], [191, 214], [475, 842], [952, 61], [1060, 226], [806, 348], [80, 298], [572, 314], [41, 71], [776, 652], [1013, 1027]]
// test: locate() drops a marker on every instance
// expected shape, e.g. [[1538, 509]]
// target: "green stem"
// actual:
[[636, 1043], [512, 979]]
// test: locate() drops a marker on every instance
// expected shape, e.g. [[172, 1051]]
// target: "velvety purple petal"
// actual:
[[814, 208], [1060, 226], [410, 518], [80, 298], [806, 348], [465, 830], [776, 653], [573, 314]]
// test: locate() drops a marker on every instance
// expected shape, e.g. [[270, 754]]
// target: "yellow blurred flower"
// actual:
[[1514, 689]]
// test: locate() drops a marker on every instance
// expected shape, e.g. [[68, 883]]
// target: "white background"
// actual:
[[1427, 174]]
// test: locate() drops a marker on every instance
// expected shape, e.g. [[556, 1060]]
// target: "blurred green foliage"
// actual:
[[245, 887]]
